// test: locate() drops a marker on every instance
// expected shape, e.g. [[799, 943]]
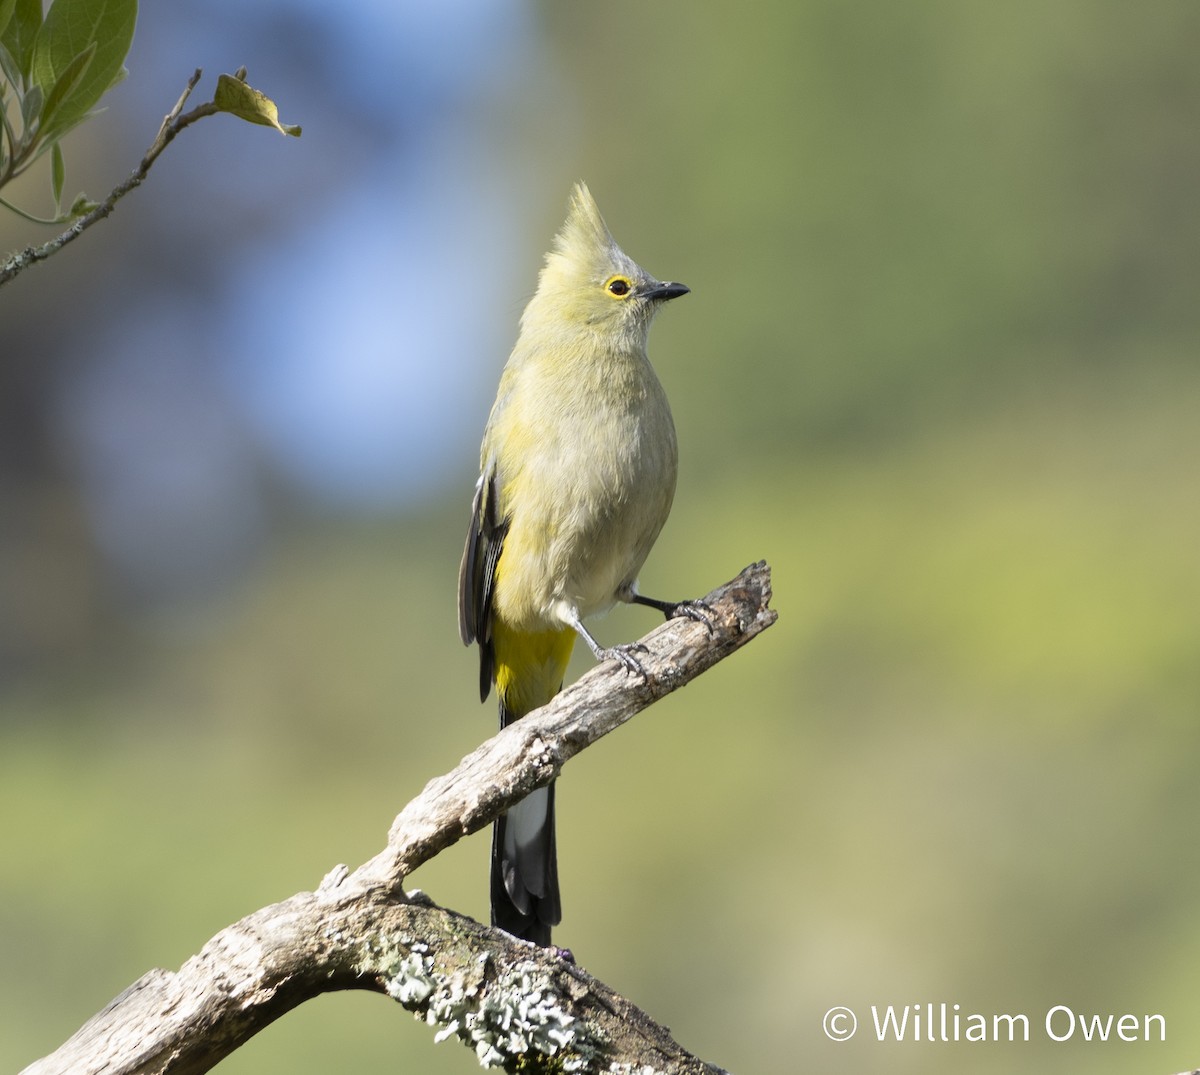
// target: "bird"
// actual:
[[577, 475]]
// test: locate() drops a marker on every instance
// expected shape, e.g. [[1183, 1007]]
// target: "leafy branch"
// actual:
[[233, 95], [53, 72]]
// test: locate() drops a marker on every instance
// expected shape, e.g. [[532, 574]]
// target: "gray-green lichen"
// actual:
[[517, 1015]]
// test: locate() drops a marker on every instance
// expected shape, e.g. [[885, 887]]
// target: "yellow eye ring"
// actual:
[[618, 286]]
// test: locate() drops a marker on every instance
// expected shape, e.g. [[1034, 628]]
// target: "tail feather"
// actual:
[[524, 884]]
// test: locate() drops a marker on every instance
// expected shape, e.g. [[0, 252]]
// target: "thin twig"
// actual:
[[174, 122]]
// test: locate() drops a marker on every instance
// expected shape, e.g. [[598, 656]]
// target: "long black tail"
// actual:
[[524, 885], [525, 898]]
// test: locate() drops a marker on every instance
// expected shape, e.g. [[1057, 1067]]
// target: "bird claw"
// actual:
[[696, 611], [624, 653]]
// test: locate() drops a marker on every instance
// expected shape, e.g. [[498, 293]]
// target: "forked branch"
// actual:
[[511, 1002]]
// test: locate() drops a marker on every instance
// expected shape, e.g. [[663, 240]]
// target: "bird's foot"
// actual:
[[695, 610], [625, 653]]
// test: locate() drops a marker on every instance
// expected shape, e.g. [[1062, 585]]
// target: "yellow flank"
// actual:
[[530, 665]]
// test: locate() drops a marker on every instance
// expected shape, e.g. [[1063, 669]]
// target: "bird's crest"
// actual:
[[584, 246]]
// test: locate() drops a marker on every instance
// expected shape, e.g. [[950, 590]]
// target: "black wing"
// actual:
[[477, 576]]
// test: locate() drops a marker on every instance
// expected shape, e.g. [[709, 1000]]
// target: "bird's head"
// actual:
[[590, 281]]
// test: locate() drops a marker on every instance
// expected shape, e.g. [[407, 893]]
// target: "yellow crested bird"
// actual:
[[577, 476]]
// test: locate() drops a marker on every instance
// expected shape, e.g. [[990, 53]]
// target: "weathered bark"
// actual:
[[512, 1002]]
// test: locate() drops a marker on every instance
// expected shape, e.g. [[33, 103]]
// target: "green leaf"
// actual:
[[58, 173], [45, 145], [21, 32], [31, 108], [9, 66], [239, 99], [8, 141], [82, 205], [6, 12], [72, 27], [72, 75]]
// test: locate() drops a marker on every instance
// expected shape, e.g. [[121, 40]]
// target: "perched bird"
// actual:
[[577, 476]]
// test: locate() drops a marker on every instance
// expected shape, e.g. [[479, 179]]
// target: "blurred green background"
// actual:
[[938, 368]]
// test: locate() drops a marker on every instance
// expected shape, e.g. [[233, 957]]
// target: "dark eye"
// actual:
[[618, 286]]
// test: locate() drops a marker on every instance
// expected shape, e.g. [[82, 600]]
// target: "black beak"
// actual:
[[662, 292]]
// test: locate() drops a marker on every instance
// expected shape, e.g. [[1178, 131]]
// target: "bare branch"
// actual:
[[502, 997], [508, 1000]]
